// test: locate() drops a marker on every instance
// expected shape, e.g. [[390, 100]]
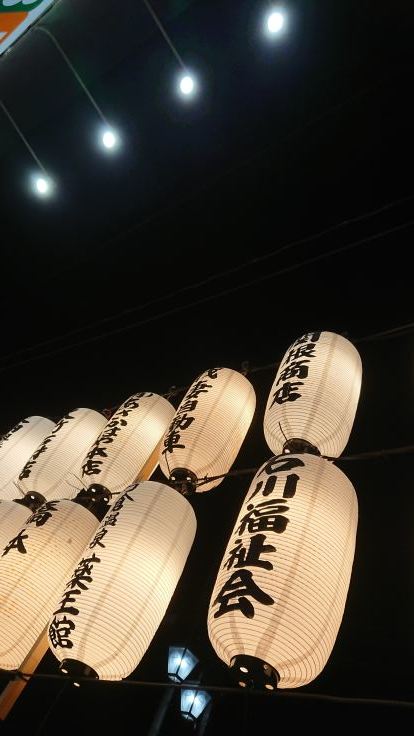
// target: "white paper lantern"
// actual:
[[120, 590], [124, 449], [315, 395], [12, 517], [16, 447], [281, 589], [33, 568], [208, 429], [54, 470]]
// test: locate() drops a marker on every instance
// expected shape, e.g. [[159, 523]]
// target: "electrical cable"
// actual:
[[212, 297], [230, 690]]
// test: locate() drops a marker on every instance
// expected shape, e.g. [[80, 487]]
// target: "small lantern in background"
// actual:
[[54, 469], [118, 594], [208, 429], [313, 400], [181, 663], [281, 589], [125, 450], [193, 703], [16, 447]]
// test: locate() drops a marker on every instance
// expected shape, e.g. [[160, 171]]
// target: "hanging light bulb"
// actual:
[[275, 22], [34, 566], [281, 588], [118, 594], [314, 398], [54, 470], [110, 139], [16, 447], [187, 85], [208, 429], [43, 186]]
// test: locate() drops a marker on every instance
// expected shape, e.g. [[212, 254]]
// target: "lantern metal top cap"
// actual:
[[297, 446], [184, 481], [95, 498], [32, 500], [254, 673]]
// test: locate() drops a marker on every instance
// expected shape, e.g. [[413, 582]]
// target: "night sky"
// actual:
[[278, 201]]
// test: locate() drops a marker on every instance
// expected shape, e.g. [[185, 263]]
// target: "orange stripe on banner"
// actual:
[[10, 21]]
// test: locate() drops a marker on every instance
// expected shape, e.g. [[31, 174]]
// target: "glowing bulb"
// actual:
[[109, 139], [275, 22], [187, 85], [42, 186]]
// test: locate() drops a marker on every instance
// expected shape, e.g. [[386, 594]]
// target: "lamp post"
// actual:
[[181, 662]]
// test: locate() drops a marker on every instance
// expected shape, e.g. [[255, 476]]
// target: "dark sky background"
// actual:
[[101, 294]]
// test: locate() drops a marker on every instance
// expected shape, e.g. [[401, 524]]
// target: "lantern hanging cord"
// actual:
[[370, 455], [288, 694], [204, 282]]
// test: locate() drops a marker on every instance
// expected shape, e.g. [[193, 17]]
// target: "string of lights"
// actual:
[[214, 688]]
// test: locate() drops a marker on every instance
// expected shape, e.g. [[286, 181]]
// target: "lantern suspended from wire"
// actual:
[[313, 401], [125, 450], [118, 594], [281, 589], [34, 566], [208, 429], [16, 447], [54, 469], [13, 515]]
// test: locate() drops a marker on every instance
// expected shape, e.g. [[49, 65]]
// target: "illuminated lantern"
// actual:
[[208, 429], [16, 447], [13, 515], [193, 703], [125, 450], [281, 589], [312, 404], [181, 662], [123, 584], [54, 470], [34, 566]]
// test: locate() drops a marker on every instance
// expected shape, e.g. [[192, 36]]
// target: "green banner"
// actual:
[[18, 6]]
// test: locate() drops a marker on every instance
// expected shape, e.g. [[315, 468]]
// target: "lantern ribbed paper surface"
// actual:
[[282, 585], [54, 470], [210, 425], [12, 517], [315, 394], [127, 443], [125, 581], [33, 568], [16, 447]]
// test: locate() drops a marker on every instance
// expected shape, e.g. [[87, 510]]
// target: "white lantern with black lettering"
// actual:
[[34, 566], [118, 594], [125, 450], [54, 470], [13, 515], [313, 400], [16, 447], [281, 589], [208, 429]]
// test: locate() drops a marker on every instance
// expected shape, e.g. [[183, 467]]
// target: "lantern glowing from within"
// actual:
[[123, 584], [16, 447], [313, 400], [281, 589], [54, 470], [34, 566], [124, 450], [208, 429], [12, 517]]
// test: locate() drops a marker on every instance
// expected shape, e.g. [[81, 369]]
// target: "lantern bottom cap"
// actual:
[[298, 446], [95, 498], [33, 500], [75, 668], [253, 672], [183, 480]]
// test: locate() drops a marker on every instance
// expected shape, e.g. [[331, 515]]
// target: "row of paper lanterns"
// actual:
[[99, 573]]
